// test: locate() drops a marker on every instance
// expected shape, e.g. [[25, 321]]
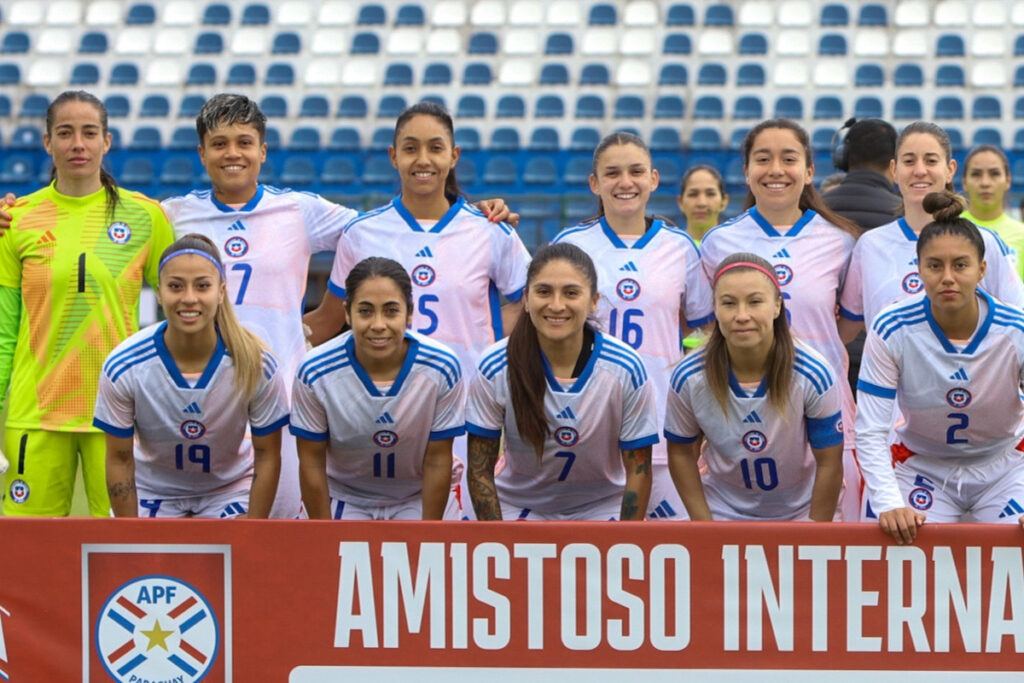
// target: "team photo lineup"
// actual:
[[852, 353]]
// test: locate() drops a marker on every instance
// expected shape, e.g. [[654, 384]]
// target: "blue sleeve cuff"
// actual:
[[477, 430], [270, 428], [875, 390], [447, 433], [308, 436], [850, 315], [677, 438], [516, 295], [700, 322], [335, 289], [121, 432], [649, 440], [823, 432]]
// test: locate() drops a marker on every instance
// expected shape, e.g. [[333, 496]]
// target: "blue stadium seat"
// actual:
[[304, 139], [673, 74], [279, 73], [483, 43], [603, 15], [437, 74], [338, 171], [468, 139], [351, 107], [821, 139], [272, 138], [869, 76], [711, 73], [950, 45], [789, 107], [242, 73], [141, 13], [137, 172], [466, 172], [471, 107], [1018, 46], [500, 171], [117, 106], [399, 73], [5, 105], [558, 44], [201, 73], [115, 138], [477, 73], [753, 44], [956, 139], [217, 15], [907, 107], [1018, 141], [298, 172], [908, 76], [178, 170], [718, 15], [410, 15], [828, 107], [669, 107], [590, 107], [93, 43], [371, 15], [1018, 77], [835, 15], [1018, 108], [577, 171], [268, 173], [10, 74], [365, 43], [274, 106], [867, 108], [85, 73], [680, 14], [554, 74], [155, 106], [709, 107], [549, 106], [17, 170], [344, 139], [209, 43], [832, 44], [15, 43], [184, 137], [584, 139], [666, 140], [124, 74], [747, 107], [510, 107], [986, 107], [705, 139], [750, 75], [873, 15], [146, 138], [381, 139], [987, 136], [544, 139], [677, 44], [540, 171], [26, 137], [190, 106], [256, 14], [1018, 173], [378, 171], [436, 99], [629, 107], [668, 170], [594, 74], [949, 107], [391, 106], [286, 43]]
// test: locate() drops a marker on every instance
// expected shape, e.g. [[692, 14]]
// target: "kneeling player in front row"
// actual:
[[175, 399], [375, 410]]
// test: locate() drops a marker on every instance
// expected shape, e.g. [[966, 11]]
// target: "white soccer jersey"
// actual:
[[189, 434], [608, 408], [376, 439], [883, 270], [643, 288], [960, 404], [760, 463], [458, 267]]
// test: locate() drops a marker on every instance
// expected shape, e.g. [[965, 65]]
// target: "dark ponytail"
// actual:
[[945, 208]]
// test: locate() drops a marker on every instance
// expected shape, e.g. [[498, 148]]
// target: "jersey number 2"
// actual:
[[961, 423]]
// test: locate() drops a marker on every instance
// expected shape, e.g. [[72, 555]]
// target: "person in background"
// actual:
[[702, 199], [831, 182], [986, 182]]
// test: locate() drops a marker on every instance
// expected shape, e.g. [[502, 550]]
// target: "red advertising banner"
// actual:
[[154, 601]]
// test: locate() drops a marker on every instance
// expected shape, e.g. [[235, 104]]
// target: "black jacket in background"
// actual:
[[865, 197]]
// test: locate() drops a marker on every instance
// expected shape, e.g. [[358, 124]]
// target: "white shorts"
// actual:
[[213, 506], [665, 503], [408, 510], [607, 509]]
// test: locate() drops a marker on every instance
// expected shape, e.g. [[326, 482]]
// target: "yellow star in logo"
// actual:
[[157, 636]]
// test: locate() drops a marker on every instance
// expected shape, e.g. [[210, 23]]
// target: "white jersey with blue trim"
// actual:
[[458, 267], [883, 271], [377, 436], [759, 461], [645, 288], [607, 409], [189, 433], [810, 262], [960, 403]]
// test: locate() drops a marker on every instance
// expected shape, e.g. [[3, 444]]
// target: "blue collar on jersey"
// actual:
[[770, 230], [581, 381], [249, 205], [364, 377], [979, 335], [439, 226], [908, 232], [639, 244], [172, 367], [739, 392]]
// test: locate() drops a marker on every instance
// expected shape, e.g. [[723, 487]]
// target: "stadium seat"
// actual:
[[549, 106], [711, 73], [298, 171], [274, 106], [437, 74], [286, 43], [17, 170], [117, 106], [201, 73], [483, 43], [184, 137], [85, 73], [5, 105], [821, 139], [718, 15], [673, 74], [268, 173], [750, 75], [350, 107], [477, 73], [747, 107], [594, 74], [15, 42], [304, 139], [510, 107], [338, 171], [137, 172], [584, 139], [544, 139], [753, 44], [956, 139], [1018, 141], [986, 107], [93, 43], [399, 73], [828, 107], [256, 14], [554, 74], [471, 107], [668, 170], [680, 14], [365, 44], [602, 15], [10, 74], [1018, 173], [209, 43], [907, 107], [155, 106], [1018, 77], [705, 140], [949, 76], [709, 107], [436, 99], [242, 73], [789, 107], [178, 170], [835, 15], [590, 107], [371, 15], [378, 171], [831, 45], [190, 106], [558, 44], [26, 137], [987, 136], [344, 139], [141, 13], [1018, 46], [577, 171], [410, 15], [950, 45], [869, 76], [279, 73], [540, 171], [665, 139], [669, 107], [908, 76], [873, 15], [677, 44], [949, 107], [630, 107], [467, 138], [146, 138], [391, 107], [465, 169], [500, 171], [1018, 108], [217, 15]]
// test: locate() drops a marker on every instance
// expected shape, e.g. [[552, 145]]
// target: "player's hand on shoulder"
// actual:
[[901, 524], [5, 218], [497, 211]]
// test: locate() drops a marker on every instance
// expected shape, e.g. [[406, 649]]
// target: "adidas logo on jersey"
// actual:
[[47, 238], [385, 419], [193, 408], [1012, 509], [630, 267], [663, 511], [960, 374], [781, 254], [752, 417], [566, 414], [425, 253], [236, 226], [912, 262]]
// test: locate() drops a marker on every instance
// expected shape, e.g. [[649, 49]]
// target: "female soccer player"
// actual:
[[986, 182], [375, 410], [768, 407], [809, 245], [702, 199], [574, 404], [653, 290], [71, 268], [175, 400], [953, 360]]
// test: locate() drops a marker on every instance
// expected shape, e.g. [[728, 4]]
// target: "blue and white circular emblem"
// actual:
[[236, 247], [119, 233], [423, 275], [920, 499], [385, 438], [628, 289], [912, 283], [755, 441], [157, 628], [19, 491], [958, 398], [783, 273], [192, 429], [567, 436]]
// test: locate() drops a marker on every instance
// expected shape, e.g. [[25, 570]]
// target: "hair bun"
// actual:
[[944, 206]]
